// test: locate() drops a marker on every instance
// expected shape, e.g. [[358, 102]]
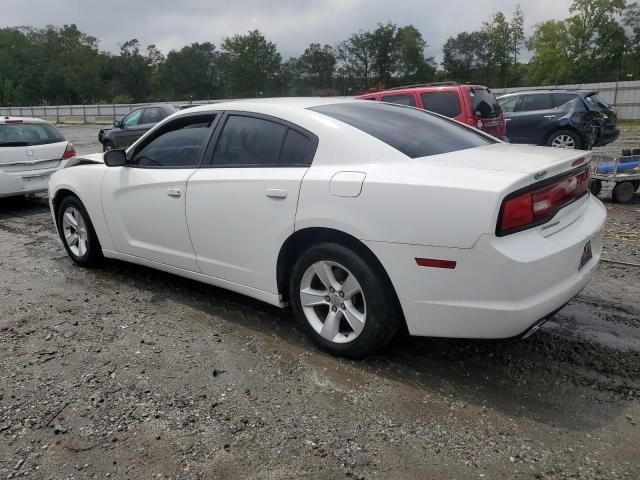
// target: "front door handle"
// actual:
[[276, 193], [174, 192], [507, 119], [549, 116]]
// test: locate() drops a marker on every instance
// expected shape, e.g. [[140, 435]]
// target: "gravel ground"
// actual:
[[126, 372]]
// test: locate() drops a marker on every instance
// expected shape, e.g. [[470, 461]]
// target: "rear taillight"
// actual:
[[69, 152], [539, 203]]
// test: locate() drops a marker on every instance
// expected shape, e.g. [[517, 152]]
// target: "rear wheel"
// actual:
[[77, 233], [564, 139], [342, 302], [623, 192]]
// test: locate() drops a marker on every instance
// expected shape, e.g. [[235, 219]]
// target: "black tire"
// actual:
[[93, 254], [381, 314], [577, 141], [595, 186], [636, 184], [108, 146], [623, 192]]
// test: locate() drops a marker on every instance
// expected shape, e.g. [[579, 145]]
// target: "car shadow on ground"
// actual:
[[560, 381]]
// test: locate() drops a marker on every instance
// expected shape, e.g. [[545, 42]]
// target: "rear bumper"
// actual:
[[25, 182], [608, 135], [501, 287]]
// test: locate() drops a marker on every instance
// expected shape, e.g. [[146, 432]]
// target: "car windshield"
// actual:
[[26, 134], [414, 132], [484, 103]]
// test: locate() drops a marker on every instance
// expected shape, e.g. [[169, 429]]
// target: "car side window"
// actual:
[[400, 100], [508, 105], [562, 98], [132, 119], [535, 102], [256, 142], [444, 103], [177, 144], [152, 115]]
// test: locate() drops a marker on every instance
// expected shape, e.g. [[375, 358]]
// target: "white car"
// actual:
[[30, 151], [360, 215]]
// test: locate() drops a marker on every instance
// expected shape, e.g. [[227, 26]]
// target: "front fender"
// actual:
[[85, 182]]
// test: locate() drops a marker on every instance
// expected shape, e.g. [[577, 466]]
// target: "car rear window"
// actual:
[[484, 103], [597, 102], [444, 103], [25, 134], [416, 133]]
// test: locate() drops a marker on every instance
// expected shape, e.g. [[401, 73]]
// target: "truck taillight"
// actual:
[[539, 203], [69, 152]]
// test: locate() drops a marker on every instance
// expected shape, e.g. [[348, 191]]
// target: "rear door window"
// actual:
[[531, 103], [415, 133], [152, 115], [560, 99], [444, 103], [484, 103], [404, 99], [26, 134]]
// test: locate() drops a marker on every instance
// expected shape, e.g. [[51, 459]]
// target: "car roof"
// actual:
[[6, 119], [289, 103], [550, 90], [444, 86]]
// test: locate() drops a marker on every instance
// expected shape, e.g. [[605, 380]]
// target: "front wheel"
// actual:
[[623, 192], [342, 302], [564, 139], [77, 233]]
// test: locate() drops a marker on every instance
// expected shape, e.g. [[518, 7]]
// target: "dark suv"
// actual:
[[133, 125], [474, 105], [559, 118]]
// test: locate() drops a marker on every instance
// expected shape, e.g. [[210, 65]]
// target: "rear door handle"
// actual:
[[174, 192], [507, 119], [549, 116], [276, 193]]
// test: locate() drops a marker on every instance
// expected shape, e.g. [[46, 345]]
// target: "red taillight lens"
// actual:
[[538, 205], [69, 152], [517, 212]]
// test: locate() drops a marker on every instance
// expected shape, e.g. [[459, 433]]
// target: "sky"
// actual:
[[291, 24]]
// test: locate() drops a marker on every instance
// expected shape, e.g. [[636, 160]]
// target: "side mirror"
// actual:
[[115, 158], [117, 123]]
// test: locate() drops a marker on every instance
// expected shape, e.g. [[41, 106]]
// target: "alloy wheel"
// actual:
[[75, 231], [563, 141], [333, 302]]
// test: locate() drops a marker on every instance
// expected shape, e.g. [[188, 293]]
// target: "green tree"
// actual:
[[356, 59], [516, 30], [316, 66], [383, 51], [498, 32], [190, 72], [466, 57], [411, 66], [552, 58], [250, 65]]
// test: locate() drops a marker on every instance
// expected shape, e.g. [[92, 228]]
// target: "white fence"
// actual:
[[625, 96]]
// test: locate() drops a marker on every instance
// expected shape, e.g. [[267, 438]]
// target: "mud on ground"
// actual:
[[126, 372]]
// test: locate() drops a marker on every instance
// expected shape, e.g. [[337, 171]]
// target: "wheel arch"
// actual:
[[58, 197], [300, 240], [559, 128]]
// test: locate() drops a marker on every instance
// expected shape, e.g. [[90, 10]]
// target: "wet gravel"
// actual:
[[125, 372]]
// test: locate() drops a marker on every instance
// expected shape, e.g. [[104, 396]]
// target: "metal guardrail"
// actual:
[[625, 96]]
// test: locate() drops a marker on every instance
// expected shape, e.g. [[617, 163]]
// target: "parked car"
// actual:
[[30, 151], [133, 125], [559, 118], [474, 105], [360, 215]]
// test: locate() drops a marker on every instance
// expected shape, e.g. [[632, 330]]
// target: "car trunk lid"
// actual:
[[31, 157]]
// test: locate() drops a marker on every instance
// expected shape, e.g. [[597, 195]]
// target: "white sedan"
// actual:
[[30, 151], [362, 216]]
